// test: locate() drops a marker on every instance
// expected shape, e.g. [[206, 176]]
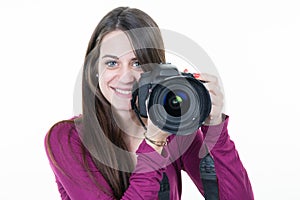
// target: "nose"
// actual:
[[126, 75]]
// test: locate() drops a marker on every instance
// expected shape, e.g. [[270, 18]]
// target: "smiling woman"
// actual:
[[118, 70], [108, 152]]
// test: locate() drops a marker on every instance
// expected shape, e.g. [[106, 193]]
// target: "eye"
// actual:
[[136, 64], [111, 63]]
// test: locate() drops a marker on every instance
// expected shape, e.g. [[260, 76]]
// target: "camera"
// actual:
[[176, 102]]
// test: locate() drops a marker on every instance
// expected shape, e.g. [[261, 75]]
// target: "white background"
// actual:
[[254, 44]]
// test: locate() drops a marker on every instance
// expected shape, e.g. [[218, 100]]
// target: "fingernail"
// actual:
[[196, 75]]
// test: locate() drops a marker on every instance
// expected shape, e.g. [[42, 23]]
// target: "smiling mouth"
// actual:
[[126, 92]]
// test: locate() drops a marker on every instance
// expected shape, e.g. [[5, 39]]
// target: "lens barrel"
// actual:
[[179, 105]]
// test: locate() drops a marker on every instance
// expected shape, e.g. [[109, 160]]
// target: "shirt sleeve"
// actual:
[[74, 182], [232, 177]]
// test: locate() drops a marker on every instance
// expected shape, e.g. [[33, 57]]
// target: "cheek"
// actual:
[[106, 75], [137, 75], [104, 79]]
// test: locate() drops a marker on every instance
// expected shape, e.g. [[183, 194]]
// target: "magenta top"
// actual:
[[182, 153]]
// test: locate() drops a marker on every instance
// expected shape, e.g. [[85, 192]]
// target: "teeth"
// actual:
[[123, 91]]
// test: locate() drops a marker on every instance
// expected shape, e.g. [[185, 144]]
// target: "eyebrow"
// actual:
[[115, 57], [110, 56]]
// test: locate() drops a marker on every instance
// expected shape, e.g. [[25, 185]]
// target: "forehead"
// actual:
[[115, 43]]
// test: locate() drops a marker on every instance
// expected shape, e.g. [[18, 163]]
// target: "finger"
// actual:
[[203, 76], [216, 100], [213, 88], [196, 75], [216, 111], [208, 78]]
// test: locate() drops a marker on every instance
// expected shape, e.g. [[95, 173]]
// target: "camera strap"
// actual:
[[134, 106], [209, 178], [164, 192]]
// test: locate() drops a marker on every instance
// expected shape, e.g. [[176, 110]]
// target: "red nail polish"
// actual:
[[196, 75]]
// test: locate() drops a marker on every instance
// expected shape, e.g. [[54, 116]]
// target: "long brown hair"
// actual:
[[97, 117]]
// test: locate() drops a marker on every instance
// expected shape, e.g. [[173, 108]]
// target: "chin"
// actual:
[[122, 106], [120, 103]]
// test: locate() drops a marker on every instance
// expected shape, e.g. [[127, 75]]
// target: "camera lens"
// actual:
[[176, 103], [179, 105]]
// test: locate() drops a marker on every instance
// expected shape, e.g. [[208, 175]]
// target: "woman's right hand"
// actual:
[[155, 134]]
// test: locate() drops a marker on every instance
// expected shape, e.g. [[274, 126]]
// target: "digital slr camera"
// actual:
[[176, 102]]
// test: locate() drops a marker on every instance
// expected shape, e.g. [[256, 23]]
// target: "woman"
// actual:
[[105, 153]]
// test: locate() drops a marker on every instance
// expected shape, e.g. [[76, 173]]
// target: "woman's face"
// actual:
[[119, 69]]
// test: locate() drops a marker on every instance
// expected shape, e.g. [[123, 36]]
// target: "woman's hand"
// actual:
[[212, 85], [153, 133]]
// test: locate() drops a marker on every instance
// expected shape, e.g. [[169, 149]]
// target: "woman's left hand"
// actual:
[[212, 85]]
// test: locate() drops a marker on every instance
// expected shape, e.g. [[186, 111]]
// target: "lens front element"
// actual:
[[176, 103]]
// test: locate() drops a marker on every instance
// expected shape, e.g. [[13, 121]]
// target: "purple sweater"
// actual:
[[182, 153]]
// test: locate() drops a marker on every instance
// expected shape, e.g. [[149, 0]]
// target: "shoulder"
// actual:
[[61, 136], [61, 129]]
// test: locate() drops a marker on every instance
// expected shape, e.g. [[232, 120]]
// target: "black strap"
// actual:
[[134, 106], [164, 192], [209, 178]]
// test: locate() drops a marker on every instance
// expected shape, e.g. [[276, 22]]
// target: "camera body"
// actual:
[[175, 102]]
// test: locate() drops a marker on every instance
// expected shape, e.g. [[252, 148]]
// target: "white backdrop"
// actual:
[[254, 44]]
